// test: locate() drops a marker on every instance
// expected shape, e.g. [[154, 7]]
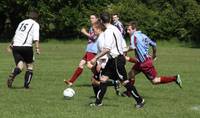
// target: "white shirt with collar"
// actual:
[[110, 41], [26, 32]]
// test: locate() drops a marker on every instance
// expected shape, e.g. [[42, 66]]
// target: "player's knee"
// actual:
[[155, 80], [124, 83], [20, 65], [29, 66]]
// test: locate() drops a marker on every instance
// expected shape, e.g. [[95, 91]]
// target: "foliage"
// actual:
[[162, 20]]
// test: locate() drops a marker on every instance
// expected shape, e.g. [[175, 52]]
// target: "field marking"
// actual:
[[196, 108]]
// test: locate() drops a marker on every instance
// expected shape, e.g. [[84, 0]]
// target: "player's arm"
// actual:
[[84, 31], [37, 47], [102, 53], [154, 50], [36, 37]]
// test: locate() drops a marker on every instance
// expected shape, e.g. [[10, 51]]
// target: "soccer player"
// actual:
[[116, 22], [144, 62], [26, 33], [113, 46], [91, 51]]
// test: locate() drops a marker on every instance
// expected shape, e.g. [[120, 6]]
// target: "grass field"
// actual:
[[57, 62]]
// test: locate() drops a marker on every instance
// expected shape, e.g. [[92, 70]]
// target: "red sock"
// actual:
[[76, 74], [167, 79]]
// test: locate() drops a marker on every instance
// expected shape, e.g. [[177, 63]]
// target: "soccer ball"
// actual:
[[68, 93]]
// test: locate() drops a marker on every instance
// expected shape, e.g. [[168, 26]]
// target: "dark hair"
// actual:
[[105, 17], [94, 14], [99, 25], [33, 14], [115, 14], [133, 24]]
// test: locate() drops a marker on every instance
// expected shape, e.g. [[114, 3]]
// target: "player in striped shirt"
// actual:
[[91, 50], [26, 33], [116, 22], [144, 62]]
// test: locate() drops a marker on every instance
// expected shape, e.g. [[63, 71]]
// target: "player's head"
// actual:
[[98, 27], [131, 27], [93, 18], [115, 17], [34, 14], [105, 17]]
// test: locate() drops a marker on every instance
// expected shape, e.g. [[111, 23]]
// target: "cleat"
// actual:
[[178, 81], [94, 104], [10, 81], [68, 82], [140, 105]]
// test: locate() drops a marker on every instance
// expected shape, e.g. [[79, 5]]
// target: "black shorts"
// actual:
[[23, 53], [115, 68]]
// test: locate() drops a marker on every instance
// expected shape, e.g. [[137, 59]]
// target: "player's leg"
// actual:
[[28, 75], [19, 66], [151, 73], [28, 58], [120, 64], [168, 79], [101, 92], [76, 73], [131, 77]]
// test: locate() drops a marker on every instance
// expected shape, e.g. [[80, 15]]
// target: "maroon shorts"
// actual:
[[88, 56], [147, 68]]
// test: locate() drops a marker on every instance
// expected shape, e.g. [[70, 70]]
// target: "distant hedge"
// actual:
[[62, 19]]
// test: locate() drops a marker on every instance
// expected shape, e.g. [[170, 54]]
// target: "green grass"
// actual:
[[57, 62]]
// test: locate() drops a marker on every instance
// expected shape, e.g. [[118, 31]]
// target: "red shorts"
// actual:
[[88, 56], [147, 68]]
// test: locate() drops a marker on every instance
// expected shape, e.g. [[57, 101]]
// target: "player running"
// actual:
[[91, 51], [143, 61], [26, 33]]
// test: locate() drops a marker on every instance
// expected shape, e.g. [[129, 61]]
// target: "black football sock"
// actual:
[[15, 72], [133, 92], [101, 92], [95, 89], [27, 78]]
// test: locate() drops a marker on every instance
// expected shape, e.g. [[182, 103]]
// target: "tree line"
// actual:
[[63, 19]]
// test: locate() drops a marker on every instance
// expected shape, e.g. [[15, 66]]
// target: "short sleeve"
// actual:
[[36, 33]]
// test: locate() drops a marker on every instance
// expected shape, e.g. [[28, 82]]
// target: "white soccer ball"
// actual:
[[68, 93]]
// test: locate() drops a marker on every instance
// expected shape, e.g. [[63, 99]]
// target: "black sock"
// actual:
[[95, 89], [133, 92], [101, 92], [27, 78], [15, 72]]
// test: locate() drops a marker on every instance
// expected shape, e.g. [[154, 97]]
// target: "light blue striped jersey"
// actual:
[[92, 44], [140, 42]]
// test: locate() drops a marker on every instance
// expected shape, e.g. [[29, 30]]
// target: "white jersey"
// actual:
[[114, 41], [26, 32], [100, 45]]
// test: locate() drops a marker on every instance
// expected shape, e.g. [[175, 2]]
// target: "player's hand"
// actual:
[[83, 30], [93, 61], [38, 51], [154, 57], [9, 48]]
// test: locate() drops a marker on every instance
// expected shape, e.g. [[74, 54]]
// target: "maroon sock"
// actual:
[[167, 79], [76, 74]]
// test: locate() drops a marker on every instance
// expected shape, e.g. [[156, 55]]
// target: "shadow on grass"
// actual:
[[18, 87]]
